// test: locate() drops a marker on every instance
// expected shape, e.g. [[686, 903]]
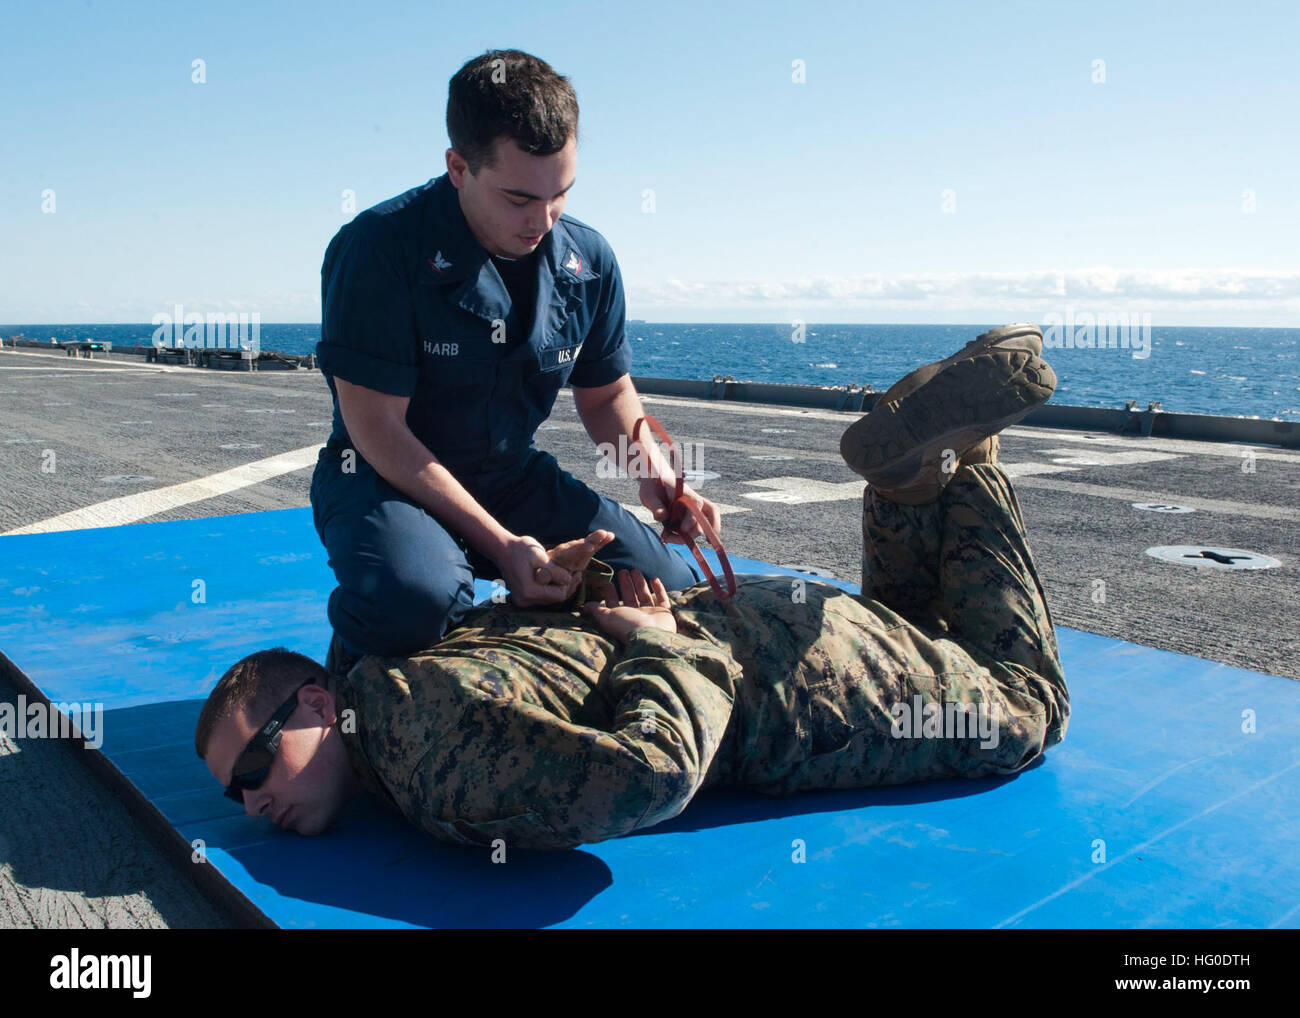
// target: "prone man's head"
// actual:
[[513, 125], [268, 734]]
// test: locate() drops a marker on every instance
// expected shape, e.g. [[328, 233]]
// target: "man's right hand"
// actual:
[[531, 575]]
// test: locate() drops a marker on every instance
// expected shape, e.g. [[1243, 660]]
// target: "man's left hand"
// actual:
[[573, 557]]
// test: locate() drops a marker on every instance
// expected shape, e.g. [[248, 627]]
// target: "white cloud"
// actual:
[[1101, 287]]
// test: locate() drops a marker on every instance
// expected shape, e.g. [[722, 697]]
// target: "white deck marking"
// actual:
[[1014, 470], [798, 490], [45, 372], [93, 365], [1106, 457], [1185, 446], [131, 508]]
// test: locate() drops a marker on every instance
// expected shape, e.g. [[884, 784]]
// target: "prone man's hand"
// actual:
[[576, 555], [635, 604]]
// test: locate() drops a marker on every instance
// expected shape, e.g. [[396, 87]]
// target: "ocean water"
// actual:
[[1245, 372]]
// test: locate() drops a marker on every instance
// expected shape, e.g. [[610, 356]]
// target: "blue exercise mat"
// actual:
[[1158, 810]]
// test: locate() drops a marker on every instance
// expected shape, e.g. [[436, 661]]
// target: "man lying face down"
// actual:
[[549, 727]]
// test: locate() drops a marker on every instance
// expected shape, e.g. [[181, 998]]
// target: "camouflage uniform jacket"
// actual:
[[534, 727]]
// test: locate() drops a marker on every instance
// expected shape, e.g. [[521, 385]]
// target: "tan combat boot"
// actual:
[[909, 448], [1020, 336]]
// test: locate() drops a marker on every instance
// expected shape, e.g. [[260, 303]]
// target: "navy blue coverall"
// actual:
[[409, 301]]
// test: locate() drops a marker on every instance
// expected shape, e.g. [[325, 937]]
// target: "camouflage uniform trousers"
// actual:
[[970, 625]]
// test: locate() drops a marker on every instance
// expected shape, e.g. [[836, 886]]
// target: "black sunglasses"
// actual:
[[255, 761]]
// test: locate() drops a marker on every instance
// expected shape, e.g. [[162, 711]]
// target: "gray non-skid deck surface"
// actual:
[[1081, 525]]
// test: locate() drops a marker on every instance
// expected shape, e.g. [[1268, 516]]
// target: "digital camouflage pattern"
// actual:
[[534, 727]]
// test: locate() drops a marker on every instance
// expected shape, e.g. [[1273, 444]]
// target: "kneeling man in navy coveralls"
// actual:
[[548, 728], [451, 316]]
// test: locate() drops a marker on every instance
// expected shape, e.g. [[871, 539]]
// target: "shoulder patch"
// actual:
[[575, 268]]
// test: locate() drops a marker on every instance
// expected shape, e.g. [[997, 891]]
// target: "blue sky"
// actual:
[[1169, 187]]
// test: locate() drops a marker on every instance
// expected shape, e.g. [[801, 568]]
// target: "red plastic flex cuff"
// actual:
[[681, 504]]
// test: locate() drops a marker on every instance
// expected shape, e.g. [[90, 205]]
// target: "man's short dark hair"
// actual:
[[512, 93], [258, 683]]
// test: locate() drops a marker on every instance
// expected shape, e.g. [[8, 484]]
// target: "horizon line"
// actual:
[[647, 321]]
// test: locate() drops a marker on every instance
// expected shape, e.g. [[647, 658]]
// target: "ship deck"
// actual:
[[114, 441]]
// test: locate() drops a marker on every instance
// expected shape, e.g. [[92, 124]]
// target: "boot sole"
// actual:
[[1027, 337], [1020, 336], [957, 408]]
